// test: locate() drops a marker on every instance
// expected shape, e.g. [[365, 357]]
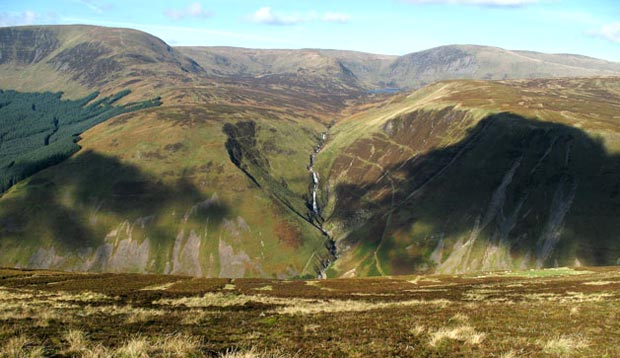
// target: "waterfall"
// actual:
[[316, 218], [315, 177]]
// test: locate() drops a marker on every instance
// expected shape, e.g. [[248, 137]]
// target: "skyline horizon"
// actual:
[[394, 27], [327, 49]]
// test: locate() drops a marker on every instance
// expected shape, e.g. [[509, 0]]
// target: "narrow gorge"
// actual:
[[315, 210]]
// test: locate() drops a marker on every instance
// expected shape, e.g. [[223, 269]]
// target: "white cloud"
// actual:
[[17, 19], [193, 10], [610, 32], [499, 3], [266, 15], [94, 5], [336, 17]]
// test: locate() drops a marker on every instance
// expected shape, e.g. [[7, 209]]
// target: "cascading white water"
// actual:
[[316, 211], [315, 188], [315, 175]]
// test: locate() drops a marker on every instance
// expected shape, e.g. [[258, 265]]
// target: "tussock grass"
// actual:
[[334, 306], [177, 345], [196, 316], [564, 345], [180, 345], [254, 353], [76, 341], [417, 330], [137, 347], [138, 315], [599, 283], [463, 333], [213, 299], [293, 317], [293, 305], [21, 347], [459, 317]]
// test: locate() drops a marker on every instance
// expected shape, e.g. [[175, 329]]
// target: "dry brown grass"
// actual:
[[76, 341], [137, 347], [466, 334], [293, 305], [21, 347], [564, 345], [179, 345], [370, 317], [254, 353], [417, 330]]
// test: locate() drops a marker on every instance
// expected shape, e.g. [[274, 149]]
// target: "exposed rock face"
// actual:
[[186, 254], [121, 252], [232, 264]]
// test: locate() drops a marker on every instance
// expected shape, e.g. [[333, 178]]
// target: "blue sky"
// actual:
[[589, 28]]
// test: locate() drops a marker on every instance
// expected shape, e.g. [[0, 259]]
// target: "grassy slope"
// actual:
[[542, 313], [144, 177], [80, 59], [157, 191], [472, 175]]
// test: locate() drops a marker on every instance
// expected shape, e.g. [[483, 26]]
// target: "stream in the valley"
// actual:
[[315, 209]]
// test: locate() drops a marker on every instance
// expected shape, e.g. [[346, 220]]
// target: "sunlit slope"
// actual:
[[347, 69], [471, 175], [78, 59], [157, 192]]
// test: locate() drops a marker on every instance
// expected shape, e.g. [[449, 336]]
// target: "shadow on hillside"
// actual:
[[69, 200], [542, 188]]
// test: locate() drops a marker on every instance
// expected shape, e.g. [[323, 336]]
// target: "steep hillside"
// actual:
[[309, 69], [79, 59], [165, 190], [410, 71], [465, 176], [158, 192], [490, 63]]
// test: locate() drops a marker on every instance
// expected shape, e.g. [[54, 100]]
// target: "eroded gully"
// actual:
[[316, 218]]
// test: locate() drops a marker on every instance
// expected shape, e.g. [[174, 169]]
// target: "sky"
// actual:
[[396, 27]]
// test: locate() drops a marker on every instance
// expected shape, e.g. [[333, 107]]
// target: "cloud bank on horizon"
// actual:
[[475, 2], [265, 15], [391, 27]]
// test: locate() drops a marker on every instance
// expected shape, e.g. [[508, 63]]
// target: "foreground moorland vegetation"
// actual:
[[559, 312]]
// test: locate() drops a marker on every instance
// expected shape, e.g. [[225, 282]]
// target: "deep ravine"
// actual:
[[315, 210]]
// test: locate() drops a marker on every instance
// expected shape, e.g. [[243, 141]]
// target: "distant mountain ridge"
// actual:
[[409, 71], [79, 58]]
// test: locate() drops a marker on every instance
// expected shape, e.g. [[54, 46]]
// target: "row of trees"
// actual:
[[38, 130]]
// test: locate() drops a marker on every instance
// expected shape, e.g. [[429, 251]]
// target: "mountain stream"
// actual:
[[313, 205]]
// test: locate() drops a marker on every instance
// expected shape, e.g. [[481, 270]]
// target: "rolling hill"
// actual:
[[458, 176], [411, 71], [475, 175]]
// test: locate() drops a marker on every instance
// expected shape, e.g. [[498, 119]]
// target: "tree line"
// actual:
[[38, 130]]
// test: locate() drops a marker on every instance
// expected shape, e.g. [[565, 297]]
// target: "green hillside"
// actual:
[[467, 176], [221, 178]]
